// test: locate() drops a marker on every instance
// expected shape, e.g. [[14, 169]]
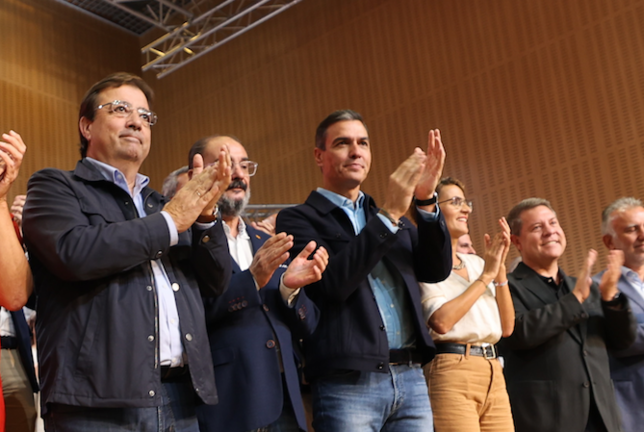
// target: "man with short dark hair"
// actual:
[[121, 334], [556, 363], [251, 327], [623, 229], [364, 358]]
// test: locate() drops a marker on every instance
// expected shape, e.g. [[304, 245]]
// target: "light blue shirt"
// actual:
[[170, 347], [388, 286], [629, 277]]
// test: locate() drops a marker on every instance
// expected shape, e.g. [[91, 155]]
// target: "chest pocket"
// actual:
[[100, 210]]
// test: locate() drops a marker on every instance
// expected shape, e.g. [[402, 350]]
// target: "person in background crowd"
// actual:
[[17, 370], [468, 313], [259, 316], [464, 245], [623, 229], [364, 358], [556, 360], [16, 282], [175, 181], [119, 272]]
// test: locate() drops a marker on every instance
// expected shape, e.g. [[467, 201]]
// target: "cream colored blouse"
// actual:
[[482, 323]]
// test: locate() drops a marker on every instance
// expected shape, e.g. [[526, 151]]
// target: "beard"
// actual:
[[234, 207]]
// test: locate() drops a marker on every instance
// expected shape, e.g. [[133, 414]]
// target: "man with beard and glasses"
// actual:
[[252, 326]]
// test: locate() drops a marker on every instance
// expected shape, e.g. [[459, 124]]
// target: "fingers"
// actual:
[[588, 264], [197, 164]]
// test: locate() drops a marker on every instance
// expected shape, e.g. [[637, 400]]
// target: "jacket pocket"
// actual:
[[223, 356]]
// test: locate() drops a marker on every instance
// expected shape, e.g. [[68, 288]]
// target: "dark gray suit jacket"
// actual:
[[556, 359]]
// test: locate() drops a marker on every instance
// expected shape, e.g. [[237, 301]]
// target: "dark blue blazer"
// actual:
[[23, 334], [627, 365], [351, 334], [243, 327]]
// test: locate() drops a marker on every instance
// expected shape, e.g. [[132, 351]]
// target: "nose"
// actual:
[[355, 151], [134, 121]]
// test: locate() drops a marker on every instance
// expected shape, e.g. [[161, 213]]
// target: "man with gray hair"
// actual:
[[556, 362], [175, 181], [623, 229]]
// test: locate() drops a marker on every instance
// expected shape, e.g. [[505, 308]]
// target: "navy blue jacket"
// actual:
[[627, 365], [96, 327], [243, 326], [351, 334]]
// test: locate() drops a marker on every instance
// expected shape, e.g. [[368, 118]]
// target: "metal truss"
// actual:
[[194, 27]]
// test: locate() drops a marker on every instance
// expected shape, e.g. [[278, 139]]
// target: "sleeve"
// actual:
[[432, 298], [621, 328], [241, 293], [211, 259], [432, 250], [75, 237]]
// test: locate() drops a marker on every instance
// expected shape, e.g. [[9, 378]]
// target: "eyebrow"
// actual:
[[349, 138]]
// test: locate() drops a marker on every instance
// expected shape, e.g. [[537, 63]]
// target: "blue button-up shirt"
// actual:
[[388, 286], [170, 347]]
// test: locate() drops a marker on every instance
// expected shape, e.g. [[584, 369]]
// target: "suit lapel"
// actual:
[[633, 294]]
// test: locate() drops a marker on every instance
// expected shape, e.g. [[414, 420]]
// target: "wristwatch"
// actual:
[[427, 202]]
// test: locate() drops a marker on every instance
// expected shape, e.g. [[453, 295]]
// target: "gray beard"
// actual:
[[233, 208]]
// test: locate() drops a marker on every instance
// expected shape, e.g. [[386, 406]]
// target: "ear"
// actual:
[[317, 153], [85, 126], [190, 174], [608, 241], [516, 241]]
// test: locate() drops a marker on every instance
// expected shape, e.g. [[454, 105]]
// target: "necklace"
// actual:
[[459, 266]]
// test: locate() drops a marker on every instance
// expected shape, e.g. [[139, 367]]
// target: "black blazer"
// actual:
[[556, 359], [351, 334], [243, 324]]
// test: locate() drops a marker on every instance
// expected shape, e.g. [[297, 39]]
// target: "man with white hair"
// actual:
[[623, 229]]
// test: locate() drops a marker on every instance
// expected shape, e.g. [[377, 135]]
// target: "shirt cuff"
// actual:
[[387, 222], [289, 295], [172, 228], [427, 216]]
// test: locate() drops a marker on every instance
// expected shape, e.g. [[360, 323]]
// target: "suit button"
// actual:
[[270, 344], [382, 327], [150, 338], [175, 287], [265, 307], [159, 254], [380, 366], [149, 288], [383, 235], [188, 337], [149, 205], [244, 303], [586, 384], [205, 239], [151, 393]]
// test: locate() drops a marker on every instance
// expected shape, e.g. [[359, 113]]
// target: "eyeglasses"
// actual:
[[249, 167], [125, 109], [458, 202]]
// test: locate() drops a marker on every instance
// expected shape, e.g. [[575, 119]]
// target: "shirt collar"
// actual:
[[115, 176], [241, 229], [342, 201]]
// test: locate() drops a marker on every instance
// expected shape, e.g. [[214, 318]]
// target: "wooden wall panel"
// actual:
[[50, 55], [535, 98]]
